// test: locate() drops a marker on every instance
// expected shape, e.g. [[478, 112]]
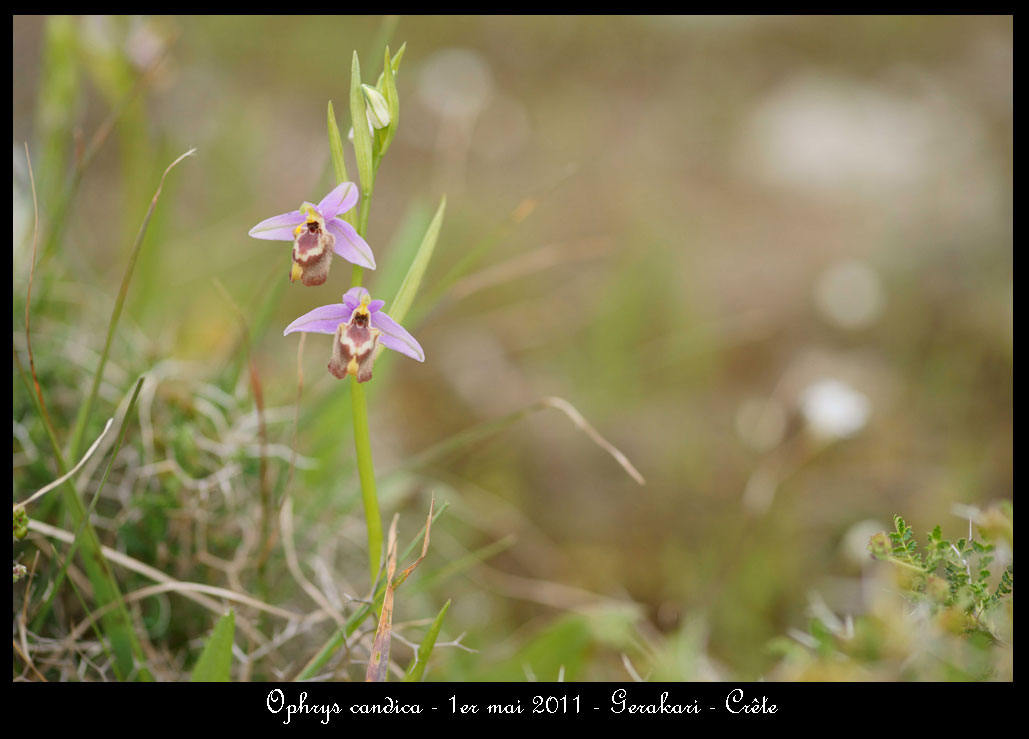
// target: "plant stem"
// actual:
[[366, 471], [362, 440]]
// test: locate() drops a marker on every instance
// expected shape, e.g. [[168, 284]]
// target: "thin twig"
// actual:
[[27, 661]]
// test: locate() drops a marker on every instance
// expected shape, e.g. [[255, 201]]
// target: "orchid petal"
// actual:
[[353, 297], [324, 320], [278, 228], [376, 305], [342, 198], [349, 245], [395, 337]]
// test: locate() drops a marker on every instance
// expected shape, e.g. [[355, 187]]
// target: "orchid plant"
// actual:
[[358, 325]]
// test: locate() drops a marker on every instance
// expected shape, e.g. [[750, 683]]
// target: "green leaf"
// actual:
[[216, 659], [389, 91], [417, 667], [405, 295], [362, 136], [339, 165]]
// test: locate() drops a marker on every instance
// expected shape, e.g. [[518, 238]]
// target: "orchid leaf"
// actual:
[[215, 661]]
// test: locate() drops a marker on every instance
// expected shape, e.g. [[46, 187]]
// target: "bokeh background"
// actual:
[[767, 258]]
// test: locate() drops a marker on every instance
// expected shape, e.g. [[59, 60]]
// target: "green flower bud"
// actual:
[[378, 109], [879, 545], [19, 572], [21, 523]]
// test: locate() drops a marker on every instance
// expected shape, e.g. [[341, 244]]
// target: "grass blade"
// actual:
[[378, 661], [117, 624], [409, 287], [215, 661], [362, 136], [421, 658], [487, 429], [339, 164], [86, 408]]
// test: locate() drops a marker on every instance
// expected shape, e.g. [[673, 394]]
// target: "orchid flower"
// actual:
[[316, 231], [358, 325]]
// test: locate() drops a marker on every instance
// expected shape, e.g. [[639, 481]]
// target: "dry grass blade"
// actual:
[[70, 473], [286, 526], [27, 661], [187, 587], [425, 546], [378, 661], [569, 410], [630, 669], [528, 263], [484, 430], [138, 567]]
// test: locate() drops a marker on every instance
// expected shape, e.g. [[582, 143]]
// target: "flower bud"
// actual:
[[21, 523], [378, 109], [19, 572], [879, 545]]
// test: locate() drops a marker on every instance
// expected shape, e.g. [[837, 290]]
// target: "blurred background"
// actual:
[[768, 258]]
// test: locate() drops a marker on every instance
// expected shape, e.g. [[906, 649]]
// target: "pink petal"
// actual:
[[352, 297], [349, 245], [278, 228], [322, 320], [342, 198], [395, 337]]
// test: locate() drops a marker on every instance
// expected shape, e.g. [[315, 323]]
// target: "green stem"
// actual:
[[366, 471], [362, 440], [902, 563]]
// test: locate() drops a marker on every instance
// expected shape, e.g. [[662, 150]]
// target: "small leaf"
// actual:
[[389, 91], [405, 295], [362, 136], [216, 659], [339, 165], [421, 659]]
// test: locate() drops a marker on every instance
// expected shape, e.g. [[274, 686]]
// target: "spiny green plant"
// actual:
[[966, 580], [942, 612]]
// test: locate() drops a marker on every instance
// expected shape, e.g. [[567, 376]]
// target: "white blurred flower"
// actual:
[[849, 294], [854, 545], [833, 409], [455, 83]]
